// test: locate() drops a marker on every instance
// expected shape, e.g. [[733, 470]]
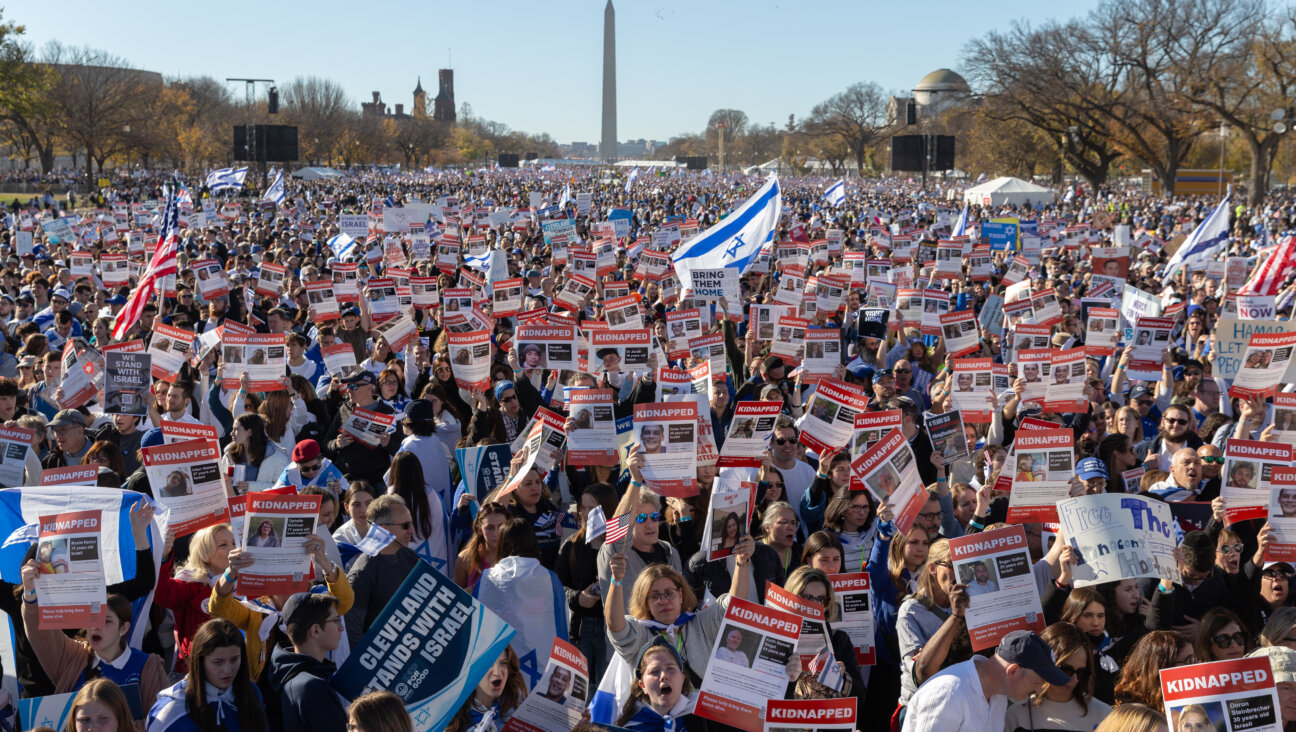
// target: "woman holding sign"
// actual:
[[95, 653], [931, 622], [186, 594], [812, 585], [660, 599]]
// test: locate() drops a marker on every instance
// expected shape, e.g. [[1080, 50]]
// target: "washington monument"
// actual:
[[608, 146]]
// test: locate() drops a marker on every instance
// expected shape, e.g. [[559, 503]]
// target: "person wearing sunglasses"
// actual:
[[1221, 637], [1228, 551], [1212, 459], [643, 545], [309, 467], [375, 579], [1177, 431], [1068, 706]]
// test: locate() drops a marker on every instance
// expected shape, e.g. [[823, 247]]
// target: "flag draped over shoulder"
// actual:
[[530, 598], [734, 241], [160, 266]]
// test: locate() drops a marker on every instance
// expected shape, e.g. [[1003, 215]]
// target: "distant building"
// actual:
[[936, 92], [443, 107]]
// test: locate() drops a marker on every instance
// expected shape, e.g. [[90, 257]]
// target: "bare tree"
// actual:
[[857, 116], [322, 112]]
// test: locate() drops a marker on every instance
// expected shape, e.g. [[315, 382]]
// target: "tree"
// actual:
[[321, 110], [856, 116], [97, 97]]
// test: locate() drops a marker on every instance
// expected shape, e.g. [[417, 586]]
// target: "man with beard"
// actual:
[[1177, 431]]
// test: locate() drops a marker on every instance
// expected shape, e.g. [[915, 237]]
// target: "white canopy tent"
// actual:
[[1006, 191], [317, 173]]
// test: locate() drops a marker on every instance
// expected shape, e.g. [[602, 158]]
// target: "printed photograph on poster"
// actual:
[[871, 426], [369, 426], [620, 351], [186, 479], [275, 530], [70, 588], [749, 664], [830, 415], [974, 393], [1151, 342], [727, 518], [666, 434], [888, 470], [322, 302], [1066, 386], [947, 437], [1235, 694], [1266, 360], [1044, 467], [1248, 476], [1034, 367], [996, 567], [749, 434], [262, 356], [1284, 417], [470, 353], [591, 428], [559, 697], [1282, 515], [959, 329], [546, 347], [853, 594]]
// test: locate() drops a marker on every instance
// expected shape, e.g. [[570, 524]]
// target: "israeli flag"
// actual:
[[961, 225], [480, 263], [566, 197], [631, 179], [226, 178], [276, 190], [389, 201], [343, 246], [735, 241], [836, 193], [1205, 240]]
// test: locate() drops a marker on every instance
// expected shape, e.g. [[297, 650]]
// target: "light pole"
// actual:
[[1223, 136]]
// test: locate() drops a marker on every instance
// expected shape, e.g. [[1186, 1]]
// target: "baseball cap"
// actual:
[[1091, 467], [1139, 392], [61, 292], [152, 438], [67, 418], [1281, 659], [351, 311], [1029, 651], [420, 410], [116, 300], [361, 377]]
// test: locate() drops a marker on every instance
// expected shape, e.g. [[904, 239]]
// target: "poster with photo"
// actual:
[[270, 278], [948, 439], [1234, 695], [789, 340], [622, 313], [873, 426], [1284, 417], [173, 432], [540, 442], [1282, 515], [959, 329], [70, 585], [369, 426], [186, 479], [712, 349], [814, 635], [853, 594], [323, 303], [339, 359], [558, 699], [262, 356], [212, 282], [1151, 341], [822, 355], [974, 393], [1103, 328], [749, 434], [470, 355], [830, 415], [1248, 476], [996, 567], [674, 383], [127, 382], [621, 351], [591, 431], [170, 348], [667, 434], [398, 331], [1266, 360], [728, 516], [574, 292], [82, 374], [1066, 383], [425, 292], [115, 272], [764, 319], [1047, 310], [748, 664], [888, 471], [935, 304], [1034, 367], [275, 530], [506, 297], [15, 442], [1045, 464], [546, 346]]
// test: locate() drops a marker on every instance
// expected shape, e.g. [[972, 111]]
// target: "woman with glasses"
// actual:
[[849, 517], [770, 489], [661, 602], [391, 389], [642, 546], [814, 586], [1221, 636], [931, 621], [1068, 707], [1140, 676], [1263, 586], [1228, 552], [1130, 424]]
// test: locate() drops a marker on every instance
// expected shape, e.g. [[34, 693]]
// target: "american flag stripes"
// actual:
[[618, 527], [162, 264], [1272, 272]]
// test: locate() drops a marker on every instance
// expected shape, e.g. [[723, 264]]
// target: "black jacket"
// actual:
[[309, 704]]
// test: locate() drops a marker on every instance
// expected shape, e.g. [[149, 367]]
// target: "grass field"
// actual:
[[7, 198]]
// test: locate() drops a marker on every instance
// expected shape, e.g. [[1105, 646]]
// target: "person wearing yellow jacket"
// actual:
[[224, 604]]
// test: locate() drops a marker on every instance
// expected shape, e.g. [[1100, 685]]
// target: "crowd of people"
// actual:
[[210, 658]]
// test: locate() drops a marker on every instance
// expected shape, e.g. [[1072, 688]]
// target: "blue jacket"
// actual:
[[170, 715]]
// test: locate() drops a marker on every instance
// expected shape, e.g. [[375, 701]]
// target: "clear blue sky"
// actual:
[[536, 65]]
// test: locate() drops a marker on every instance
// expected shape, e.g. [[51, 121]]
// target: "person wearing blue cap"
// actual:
[[511, 416], [1093, 472]]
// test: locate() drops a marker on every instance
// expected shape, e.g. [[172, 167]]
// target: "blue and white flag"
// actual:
[[529, 597], [226, 178], [343, 246], [566, 197], [276, 190], [389, 201], [595, 524], [481, 262], [1209, 236], [631, 179], [836, 193], [736, 240], [960, 226], [609, 698]]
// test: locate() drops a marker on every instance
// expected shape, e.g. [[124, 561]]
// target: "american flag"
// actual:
[[1272, 272], [618, 527], [162, 264]]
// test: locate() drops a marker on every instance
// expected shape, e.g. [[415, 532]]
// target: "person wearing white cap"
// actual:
[[1282, 660]]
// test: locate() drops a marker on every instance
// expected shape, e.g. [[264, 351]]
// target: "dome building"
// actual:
[[934, 93]]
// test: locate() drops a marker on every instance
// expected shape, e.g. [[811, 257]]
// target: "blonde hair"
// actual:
[[201, 549], [895, 560], [1133, 718], [802, 576], [1131, 413], [939, 551]]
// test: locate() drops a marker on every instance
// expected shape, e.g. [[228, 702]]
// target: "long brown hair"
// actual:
[[212, 635], [275, 409], [1140, 679], [380, 711], [895, 559], [255, 451], [107, 693], [1065, 639], [1078, 601], [607, 500], [477, 547], [515, 690]]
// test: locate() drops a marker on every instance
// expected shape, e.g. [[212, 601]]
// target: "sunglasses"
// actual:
[[312, 468], [1172, 420], [784, 440], [1227, 640], [902, 371], [507, 399], [1079, 674], [1230, 549], [1276, 573], [654, 516], [404, 527], [1213, 460]]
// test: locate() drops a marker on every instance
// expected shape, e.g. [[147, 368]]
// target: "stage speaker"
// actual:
[[272, 144], [508, 160]]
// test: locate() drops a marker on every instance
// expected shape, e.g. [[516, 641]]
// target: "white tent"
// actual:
[[317, 173], [1007, 191]]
